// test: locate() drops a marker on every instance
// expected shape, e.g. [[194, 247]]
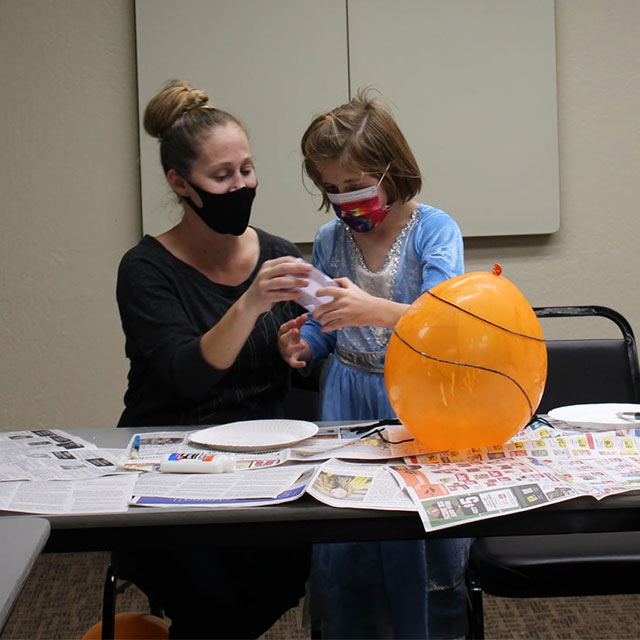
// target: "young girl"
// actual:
[[384, 249]]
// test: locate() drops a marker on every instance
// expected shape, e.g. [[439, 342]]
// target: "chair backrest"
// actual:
[[590, 370]]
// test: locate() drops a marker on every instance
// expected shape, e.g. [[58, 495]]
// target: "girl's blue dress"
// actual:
[[404, 589]]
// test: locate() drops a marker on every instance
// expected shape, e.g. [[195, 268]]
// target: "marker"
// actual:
[[135, 447], [631, 416]]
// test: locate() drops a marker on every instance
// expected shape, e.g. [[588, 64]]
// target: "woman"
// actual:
[[200, 307]]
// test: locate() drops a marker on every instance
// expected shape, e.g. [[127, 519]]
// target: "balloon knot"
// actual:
[[497, 269]]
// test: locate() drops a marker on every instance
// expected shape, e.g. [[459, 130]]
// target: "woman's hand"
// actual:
[[294, 350], [279, 279], [353, 307]]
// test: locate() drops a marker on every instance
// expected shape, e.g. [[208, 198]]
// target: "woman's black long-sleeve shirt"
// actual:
[[165, 307]]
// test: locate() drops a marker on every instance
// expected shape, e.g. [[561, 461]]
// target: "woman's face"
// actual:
[[225, 162]]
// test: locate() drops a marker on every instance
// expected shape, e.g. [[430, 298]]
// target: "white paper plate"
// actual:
[[596, 416], [254, 435]]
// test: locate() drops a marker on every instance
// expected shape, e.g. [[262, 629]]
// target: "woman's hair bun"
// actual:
[[172, 102]]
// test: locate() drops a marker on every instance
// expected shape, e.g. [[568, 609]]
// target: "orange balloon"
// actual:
[[133, 625], [467, 363]]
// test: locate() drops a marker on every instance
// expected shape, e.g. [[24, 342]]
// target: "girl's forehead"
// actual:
[[336, 171]]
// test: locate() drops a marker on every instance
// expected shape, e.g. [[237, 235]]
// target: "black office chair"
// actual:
[[577, 564], [113, 586]]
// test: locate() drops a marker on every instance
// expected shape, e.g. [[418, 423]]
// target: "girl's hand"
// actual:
[[279, 279], [294, 350], [353, 307]]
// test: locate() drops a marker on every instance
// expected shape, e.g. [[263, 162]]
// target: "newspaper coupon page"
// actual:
[[540, 466], [448, 494], [599, 476]]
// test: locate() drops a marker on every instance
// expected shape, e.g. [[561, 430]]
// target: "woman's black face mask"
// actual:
[[224, 212]]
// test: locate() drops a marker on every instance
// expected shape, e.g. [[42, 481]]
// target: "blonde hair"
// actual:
[[180, 117], [363, 135]]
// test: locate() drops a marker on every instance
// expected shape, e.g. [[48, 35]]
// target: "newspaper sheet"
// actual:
[[546, 445], [454, 493], [377, 442], [51, 454], [550, 465], [361, 485], [145, 451], [58, 464], [109, 494], [238, 489], [541, 465], [15, 444], [347, 442]]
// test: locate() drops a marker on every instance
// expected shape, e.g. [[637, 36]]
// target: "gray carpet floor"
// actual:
[[62, 599]]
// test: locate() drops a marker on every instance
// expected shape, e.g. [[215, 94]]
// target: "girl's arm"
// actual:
[[353, 307], [438, 243]]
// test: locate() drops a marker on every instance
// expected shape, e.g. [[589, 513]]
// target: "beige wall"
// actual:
[[70, 194], [594, 258], [70, 207]]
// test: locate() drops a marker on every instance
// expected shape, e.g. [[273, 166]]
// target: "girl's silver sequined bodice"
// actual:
[[381, 283]]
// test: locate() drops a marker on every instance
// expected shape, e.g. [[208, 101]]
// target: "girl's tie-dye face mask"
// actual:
[[360, 209]]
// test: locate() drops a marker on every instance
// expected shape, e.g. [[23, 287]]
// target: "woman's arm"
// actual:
[[295, 351], [160, 328], [277, 281]]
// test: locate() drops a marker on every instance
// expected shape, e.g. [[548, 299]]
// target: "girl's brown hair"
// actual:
[[181, 119], [362, 135]]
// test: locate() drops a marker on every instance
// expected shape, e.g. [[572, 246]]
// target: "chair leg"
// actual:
[[474, 606], [112, 588], [109, 605]]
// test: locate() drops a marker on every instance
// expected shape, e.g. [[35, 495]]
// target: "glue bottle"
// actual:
[[198, 462]]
